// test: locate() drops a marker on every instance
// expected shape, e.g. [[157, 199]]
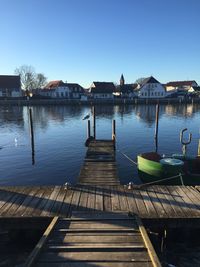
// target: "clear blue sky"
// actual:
[[87, 40]]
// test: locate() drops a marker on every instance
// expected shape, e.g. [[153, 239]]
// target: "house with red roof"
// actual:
[[56, 89], [10, 86]]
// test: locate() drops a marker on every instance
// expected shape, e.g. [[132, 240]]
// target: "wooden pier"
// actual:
[[98, 239], [154, 202], [97, 222], [99, 166]]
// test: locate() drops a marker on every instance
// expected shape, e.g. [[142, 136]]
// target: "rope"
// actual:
[[165, 179], [127, 157]]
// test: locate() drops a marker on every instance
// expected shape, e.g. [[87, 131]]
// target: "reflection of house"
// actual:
[[180, 86], [126, 90], [151, 88], [55, 89], [10, 86], [102, 90]]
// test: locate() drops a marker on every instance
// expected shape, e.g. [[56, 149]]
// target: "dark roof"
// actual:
[[102, 87], [54, 84], [10, 82], [127, 88], [150, 79], [72, 86], [180, 83]]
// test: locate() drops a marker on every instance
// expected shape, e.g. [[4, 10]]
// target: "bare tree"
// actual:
[[40, 80], [29, 78], [27, 75], [140, 80]]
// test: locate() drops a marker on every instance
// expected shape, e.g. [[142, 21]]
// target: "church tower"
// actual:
[[122, 80]]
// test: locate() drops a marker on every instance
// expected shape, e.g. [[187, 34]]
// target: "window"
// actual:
[[152, 93], [57, 94], [158, 93], [155, 93], [66, 94]]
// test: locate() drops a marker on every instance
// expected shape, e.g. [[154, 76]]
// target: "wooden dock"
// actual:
[[99, 166], [98, 239], [97, 222], [154, 202]]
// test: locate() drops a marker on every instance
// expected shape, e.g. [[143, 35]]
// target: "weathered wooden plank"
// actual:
[[107, 238], [152, 254], [64, 211], [155, 200], [47, 191], [140, 203], [15, 201], [169, 203], [99, 199], [116, 256], [115, 199], [149, 206], [193, 208], [176, 201], [132, 207], [50, 202], [59, 202], [96, 264]]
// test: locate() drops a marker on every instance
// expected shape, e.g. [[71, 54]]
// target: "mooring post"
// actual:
[[114, 131], [156, 126], [199, 149], [94, 122], [88, 129], [32, 136]]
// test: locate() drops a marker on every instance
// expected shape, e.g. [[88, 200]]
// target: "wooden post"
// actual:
[[88, 129], [32, 136], [156, 126], [94, 123], [114, 131], [199, 149]]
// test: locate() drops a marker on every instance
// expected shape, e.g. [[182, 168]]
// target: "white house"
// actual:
[[76, 91], [151, 88], [102, 90], [56, 89], [180, 85], [10, 86]]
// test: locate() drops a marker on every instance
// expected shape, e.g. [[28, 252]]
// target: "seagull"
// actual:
[[86, 117], [16, 141]]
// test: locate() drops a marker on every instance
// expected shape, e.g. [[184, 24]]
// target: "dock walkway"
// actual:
[[99, 166], [153, 202], [98, 239]]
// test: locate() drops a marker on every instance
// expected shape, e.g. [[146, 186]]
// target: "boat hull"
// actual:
[[154, 171]]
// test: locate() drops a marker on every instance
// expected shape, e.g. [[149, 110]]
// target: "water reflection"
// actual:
[[60, 134]]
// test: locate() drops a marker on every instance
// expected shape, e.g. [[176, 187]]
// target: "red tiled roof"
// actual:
[[54, 84], [180, 83]]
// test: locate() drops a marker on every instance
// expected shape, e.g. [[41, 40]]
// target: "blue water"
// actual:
[[60, 134]]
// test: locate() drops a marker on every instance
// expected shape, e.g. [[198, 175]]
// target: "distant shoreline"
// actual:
[[33, 102]]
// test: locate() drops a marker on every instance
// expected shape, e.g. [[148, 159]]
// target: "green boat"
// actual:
[[154, 168]]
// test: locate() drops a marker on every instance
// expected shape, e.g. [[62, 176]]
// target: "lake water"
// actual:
[[60, 134]]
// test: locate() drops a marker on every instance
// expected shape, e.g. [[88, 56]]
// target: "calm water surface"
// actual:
[[60, 134]]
